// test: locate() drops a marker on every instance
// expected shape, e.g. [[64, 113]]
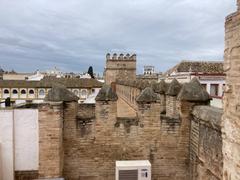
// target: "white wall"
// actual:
[[0, 163], [19, 141], [6, 140], [26, 139], [209, 82], [217, 103]]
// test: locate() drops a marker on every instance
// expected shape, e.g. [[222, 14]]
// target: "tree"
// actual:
[[90, 72]]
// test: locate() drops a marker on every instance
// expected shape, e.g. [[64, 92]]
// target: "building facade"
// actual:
[[21, 91], [210, 74]]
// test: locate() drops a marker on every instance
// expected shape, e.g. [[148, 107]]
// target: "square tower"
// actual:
[[122, 67]]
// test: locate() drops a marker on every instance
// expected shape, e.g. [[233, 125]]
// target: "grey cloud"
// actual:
[[74, 34]]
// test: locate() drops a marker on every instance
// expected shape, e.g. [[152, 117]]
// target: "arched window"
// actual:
[[84, 93], [41, 92], [15, 91], [23, 91], [31, 91], [6, 91], [75, 92]]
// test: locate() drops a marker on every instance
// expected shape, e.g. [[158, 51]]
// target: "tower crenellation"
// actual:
[[121, 56]]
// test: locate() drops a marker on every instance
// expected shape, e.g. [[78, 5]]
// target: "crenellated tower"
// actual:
[[120, 67]]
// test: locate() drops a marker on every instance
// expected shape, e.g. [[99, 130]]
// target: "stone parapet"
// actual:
[[147, 96], [106, 94], [210, 116], [193, 92], [206, 157]]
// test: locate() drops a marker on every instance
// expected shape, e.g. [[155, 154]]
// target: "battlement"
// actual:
[[120, 67], [121, 57]]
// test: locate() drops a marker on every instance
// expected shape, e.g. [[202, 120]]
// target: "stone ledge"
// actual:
[[208, 115]]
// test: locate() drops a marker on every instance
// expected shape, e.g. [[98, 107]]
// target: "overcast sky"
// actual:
[[75, 34]]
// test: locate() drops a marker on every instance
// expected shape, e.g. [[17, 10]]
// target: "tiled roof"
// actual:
[[48, 82], [206, 67]]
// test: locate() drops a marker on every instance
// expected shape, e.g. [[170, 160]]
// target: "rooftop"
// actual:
[[48, 82], [205, 67]]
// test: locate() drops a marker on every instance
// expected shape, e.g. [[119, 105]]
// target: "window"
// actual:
[[214, 90], [41, 92], [23, 91], [93, 90], [15, 91], [84, 93], [6, 91], [31, 91], [75, 92], [204, 86]]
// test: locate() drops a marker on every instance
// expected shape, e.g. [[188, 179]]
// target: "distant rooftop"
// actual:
[[206, 67], [48, 82]]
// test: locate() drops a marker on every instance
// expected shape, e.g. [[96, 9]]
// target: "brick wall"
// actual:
[[94, 137], [50, 140], [231, 123], [145, 137], [120, 69], [172, 106]]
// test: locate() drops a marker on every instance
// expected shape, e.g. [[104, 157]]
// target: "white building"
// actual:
[[148, 70], [209, 73], [21, 91]]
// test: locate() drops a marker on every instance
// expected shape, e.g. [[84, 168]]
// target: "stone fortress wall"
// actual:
[[231, 117], [86, 145]]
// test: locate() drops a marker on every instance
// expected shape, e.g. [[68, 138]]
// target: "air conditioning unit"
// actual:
[[133, 170]]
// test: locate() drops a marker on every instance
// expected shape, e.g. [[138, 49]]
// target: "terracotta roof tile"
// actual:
[[207, 67], [48, 82]]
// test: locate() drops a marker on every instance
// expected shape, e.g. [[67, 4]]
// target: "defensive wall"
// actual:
[[231, 117], [84, 141]]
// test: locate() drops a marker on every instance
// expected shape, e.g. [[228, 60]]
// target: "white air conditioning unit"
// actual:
[[133, 170]]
